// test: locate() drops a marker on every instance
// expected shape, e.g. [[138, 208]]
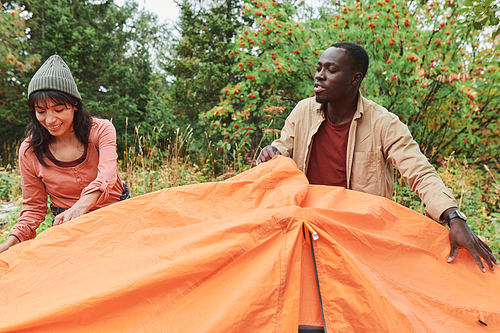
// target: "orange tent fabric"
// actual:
[[226, 257]]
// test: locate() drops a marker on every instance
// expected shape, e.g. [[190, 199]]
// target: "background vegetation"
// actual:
[[194, 100]]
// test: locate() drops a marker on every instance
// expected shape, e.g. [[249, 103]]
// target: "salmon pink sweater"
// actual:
[[65, 186]]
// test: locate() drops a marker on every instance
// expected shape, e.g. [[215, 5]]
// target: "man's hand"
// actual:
[[461, 236], [268, 153]]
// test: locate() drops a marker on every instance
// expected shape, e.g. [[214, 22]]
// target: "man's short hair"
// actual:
[[357, 54]]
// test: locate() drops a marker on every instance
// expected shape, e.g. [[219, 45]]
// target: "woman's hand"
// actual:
[[80, 207], [69, 214], [8, 243]]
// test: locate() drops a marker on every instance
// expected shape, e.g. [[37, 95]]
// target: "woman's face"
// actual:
[[56, 117]]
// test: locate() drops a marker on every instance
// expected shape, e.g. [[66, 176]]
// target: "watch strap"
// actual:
[[454, 214]]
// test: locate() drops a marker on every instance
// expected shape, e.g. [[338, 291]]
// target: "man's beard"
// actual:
[[320, 100]]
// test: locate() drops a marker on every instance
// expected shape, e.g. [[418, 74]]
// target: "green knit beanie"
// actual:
[[54, 75]]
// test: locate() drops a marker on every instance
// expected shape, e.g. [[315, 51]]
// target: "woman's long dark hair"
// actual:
[[38, 136]]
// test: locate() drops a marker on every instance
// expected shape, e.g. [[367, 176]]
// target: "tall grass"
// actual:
[[477, 191], [150, 164], [10, 199]]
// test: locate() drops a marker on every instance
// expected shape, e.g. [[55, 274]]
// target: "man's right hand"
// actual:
[[267, 153]]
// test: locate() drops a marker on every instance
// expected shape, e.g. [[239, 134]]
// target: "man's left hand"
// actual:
[[461, 236]]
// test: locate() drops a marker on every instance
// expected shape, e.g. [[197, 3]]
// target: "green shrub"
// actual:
[[10, 183], [477, 191]]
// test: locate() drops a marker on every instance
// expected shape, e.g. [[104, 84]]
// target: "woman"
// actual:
[[67, 155]]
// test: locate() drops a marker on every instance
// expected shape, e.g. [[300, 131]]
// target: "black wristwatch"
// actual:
[[454, 214]]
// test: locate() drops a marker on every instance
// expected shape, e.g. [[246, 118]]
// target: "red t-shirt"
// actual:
[[327, 166], [327, 162]]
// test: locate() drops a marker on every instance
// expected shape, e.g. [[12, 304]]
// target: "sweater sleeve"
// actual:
[[404, 153], [34, 197], [103, 136]]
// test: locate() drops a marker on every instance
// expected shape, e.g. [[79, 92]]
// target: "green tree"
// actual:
[[272, 72], [198, 60], [480, 14], [14, 64], [107, 49], [442, 83]]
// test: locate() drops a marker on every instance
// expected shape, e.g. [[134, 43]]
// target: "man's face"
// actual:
[[334, 76]]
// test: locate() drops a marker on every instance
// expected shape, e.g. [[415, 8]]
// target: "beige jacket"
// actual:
[[377, 142]]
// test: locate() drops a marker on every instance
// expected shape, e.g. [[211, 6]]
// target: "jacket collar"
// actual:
[[359, 109], [319, 108]]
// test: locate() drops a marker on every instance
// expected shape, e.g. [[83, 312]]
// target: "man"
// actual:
[[340, 138], [343, 139]]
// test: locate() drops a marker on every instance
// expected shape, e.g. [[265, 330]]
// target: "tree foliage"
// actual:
[[15, 62], [198, 60], [442, 83], [480, 14], [236, 68], [107, 49]]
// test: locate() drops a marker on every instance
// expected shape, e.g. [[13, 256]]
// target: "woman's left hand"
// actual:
[[80, 207], [68, 215]]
